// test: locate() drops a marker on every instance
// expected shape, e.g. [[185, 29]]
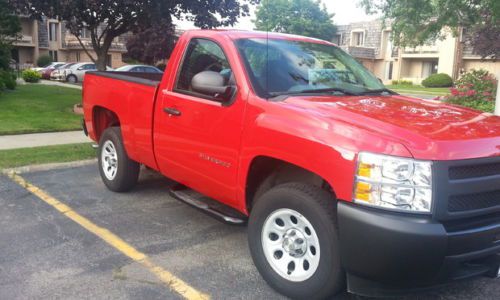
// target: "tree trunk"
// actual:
[[101, 60]]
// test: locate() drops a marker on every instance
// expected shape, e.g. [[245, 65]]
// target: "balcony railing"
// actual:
[[432, 49], [23, 40], [74, 44], [360, 52]]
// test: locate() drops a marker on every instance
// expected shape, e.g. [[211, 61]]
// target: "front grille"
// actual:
[[472, 171], [466, 189], [457, 203]]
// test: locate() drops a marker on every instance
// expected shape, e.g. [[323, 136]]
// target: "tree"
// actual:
[[9, 31], [416, 22], [303, 17], [153, 44], [108, 19]]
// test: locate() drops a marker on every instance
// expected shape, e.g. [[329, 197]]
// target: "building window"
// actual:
[[53, 55], [358, 38], [108, 60], [429, 68], [85, 33], [77, 56], [337, 39], [53, 31]]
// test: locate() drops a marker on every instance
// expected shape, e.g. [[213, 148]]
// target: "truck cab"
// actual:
[[342, 182]]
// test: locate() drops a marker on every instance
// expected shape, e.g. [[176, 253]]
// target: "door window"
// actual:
[[202, 55]]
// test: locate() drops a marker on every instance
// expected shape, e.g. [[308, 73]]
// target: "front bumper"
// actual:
[[386, 253]]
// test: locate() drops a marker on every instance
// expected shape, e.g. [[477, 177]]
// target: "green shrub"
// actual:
[[2, 85], [31, 76], [402, 82], [9, 79], [475, 89], [438, 80], [44, 60]]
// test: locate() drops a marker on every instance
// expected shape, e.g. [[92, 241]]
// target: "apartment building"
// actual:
[[370, 43], [50, 37]]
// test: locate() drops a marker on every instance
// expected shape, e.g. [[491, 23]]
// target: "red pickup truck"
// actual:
[[342, 181]]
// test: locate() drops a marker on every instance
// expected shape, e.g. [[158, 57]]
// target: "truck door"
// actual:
[[197, 138]]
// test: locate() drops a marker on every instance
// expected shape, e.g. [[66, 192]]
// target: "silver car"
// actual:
[[59, 74], [76, 72], [139, 68]]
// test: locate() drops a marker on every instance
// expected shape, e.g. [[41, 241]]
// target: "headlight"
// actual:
[[393, 183]]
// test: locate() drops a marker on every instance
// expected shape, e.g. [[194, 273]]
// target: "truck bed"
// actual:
[[131, 96], [152, 79]]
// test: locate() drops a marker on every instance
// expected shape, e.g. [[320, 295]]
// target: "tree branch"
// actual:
[[94, 60]]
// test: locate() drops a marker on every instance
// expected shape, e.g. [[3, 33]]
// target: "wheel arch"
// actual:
[[103, 118], [265, 172]]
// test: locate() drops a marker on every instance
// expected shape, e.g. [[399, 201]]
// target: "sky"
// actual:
[[346, 11]]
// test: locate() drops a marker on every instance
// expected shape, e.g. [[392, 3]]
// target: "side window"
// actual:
[[202, 55]]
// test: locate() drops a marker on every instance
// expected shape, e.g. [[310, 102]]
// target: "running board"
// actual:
[[216, 209]]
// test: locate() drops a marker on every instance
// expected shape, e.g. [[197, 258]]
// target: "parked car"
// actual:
[[39, 69], [138, 68], [76, 72], [45, 72], [59, 74], [341, 180]]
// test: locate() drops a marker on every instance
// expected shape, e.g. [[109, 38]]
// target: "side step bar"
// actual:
[[218, 210]]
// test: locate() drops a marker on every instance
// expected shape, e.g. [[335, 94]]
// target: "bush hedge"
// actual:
[[31, 76], [8, 79], [475, 89], [438, 80], [402, 82], [44, 60]]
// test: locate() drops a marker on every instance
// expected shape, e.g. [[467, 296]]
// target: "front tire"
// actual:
[[72, 79], [118, 172], [294, 243]]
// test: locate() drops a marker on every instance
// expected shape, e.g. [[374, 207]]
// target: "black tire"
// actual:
[[127, 170], [319, 208], [72, 79]]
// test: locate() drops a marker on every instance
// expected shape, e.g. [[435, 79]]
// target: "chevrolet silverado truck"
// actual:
[[343, 183]]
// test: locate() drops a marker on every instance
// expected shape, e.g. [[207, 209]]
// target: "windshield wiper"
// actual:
[[313, 91], [379, 91]]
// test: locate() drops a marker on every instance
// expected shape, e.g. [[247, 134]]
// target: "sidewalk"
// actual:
[[57, 83], [42, 139]]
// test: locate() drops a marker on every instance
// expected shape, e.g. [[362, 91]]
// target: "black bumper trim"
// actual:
[[387, 253]]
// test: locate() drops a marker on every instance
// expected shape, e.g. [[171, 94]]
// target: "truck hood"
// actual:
[[430, 129]]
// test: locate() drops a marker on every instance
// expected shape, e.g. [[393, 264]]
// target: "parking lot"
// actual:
[[46, 254]]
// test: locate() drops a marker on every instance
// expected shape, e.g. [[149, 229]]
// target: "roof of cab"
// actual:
[[241, 34]]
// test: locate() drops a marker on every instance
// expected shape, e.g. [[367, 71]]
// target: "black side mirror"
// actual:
[[212, 84]]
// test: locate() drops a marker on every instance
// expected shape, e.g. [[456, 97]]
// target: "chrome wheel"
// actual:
[[291, 245], [72, 79], [109, 160]]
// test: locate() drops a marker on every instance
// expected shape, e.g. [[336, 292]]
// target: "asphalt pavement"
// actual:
[[46, 255]]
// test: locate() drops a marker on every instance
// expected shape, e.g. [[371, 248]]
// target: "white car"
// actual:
[[76, 72], [53, 64], [59, 74], [139, 68]]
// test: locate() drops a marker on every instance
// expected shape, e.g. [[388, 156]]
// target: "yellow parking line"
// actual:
[[174, 283]]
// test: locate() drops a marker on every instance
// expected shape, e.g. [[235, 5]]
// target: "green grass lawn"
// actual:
[[39, 108], [48, 154], [418, 89]]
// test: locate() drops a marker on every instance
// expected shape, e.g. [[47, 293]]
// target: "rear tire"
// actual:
[[296, 222], [118, 172]]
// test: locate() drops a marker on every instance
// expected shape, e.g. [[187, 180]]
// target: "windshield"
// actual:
[[281, 67]]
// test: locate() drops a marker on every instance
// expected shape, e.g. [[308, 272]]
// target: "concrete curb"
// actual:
[[50, 166]]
